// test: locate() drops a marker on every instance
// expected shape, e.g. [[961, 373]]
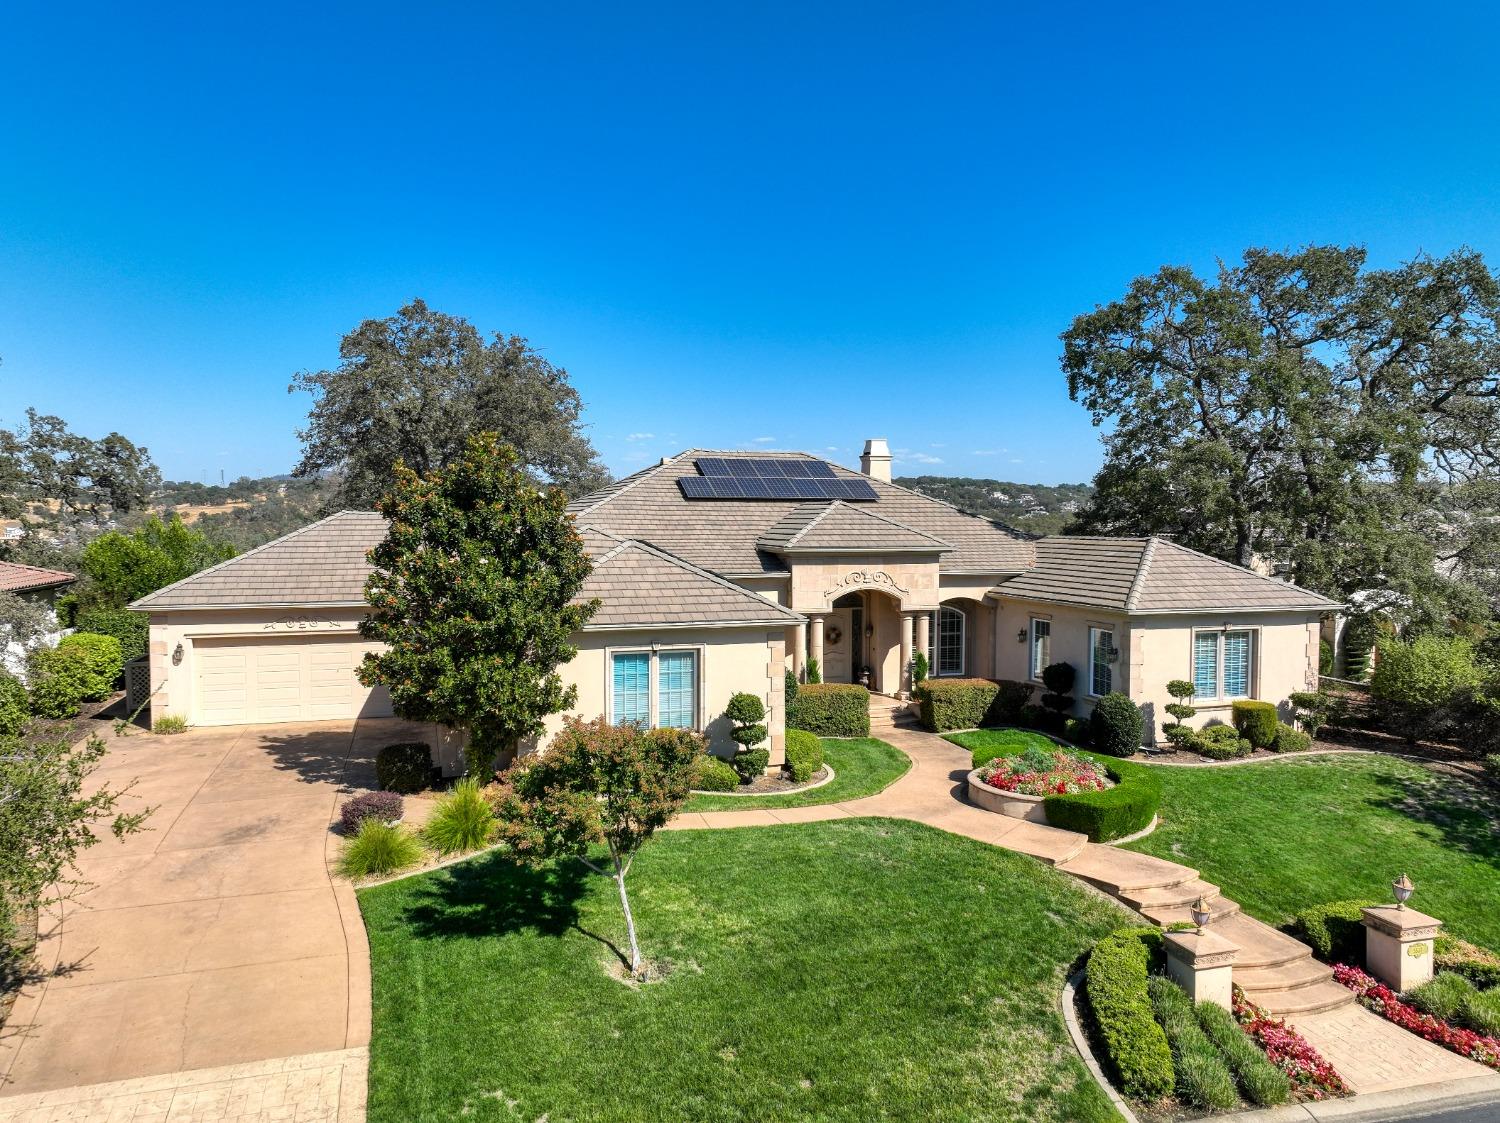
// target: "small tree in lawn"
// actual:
[[474, 592], [1181, 690], [598, 785], [748, 714]]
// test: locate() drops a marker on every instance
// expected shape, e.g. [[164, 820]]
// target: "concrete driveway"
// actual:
[[216, 937]]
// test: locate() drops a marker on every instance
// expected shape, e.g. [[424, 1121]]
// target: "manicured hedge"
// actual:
[[1290, 739], [831, 709], [1256, 722], [710, 774], [804, 754], [1334, 930], [1115, 982], [957, 703], [1116, 725], [1127, 807], [405, 767]]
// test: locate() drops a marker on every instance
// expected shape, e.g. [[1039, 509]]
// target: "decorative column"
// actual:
[[1202, 964], [904, 681], [924, 637], [1398, 945], [815, 646]]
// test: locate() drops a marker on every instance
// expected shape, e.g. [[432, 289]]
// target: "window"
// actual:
[[945, 641], [1221, 664], [1101, 655], [654, 690], [1041, 646]]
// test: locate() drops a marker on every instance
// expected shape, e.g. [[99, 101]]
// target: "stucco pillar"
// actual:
[[924, 636], [1201, 963], [904, 683], [815, 646], [1398, 945]]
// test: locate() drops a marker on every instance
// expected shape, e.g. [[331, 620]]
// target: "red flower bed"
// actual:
[[1312, 1077], [1039, 772], [1375, 995]]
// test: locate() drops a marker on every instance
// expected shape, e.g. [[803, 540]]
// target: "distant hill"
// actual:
[[1038, 508]]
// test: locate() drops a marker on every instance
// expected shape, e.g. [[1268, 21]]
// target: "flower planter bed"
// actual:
[[1376, 996], [1312, 1077], [1018, 786]]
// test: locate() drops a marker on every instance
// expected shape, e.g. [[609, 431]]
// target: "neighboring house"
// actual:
[[40, 586], [718, 571]]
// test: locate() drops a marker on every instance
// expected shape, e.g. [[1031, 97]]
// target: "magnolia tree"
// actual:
[[597, 786], [475, 593]]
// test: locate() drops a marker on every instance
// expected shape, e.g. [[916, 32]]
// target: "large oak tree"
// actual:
[[1299, 406], [415, 386]]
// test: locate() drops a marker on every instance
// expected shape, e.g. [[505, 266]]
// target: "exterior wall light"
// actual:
[[1201, 913], [1403, 889], [1021, 636], [177, 655]]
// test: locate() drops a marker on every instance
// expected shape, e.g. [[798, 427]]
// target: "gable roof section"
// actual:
[[18, 578], [321, 565], [641, 585], [724, 535], [1150, 575], [839, 526]]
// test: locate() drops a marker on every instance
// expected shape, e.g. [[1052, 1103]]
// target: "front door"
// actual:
[[838, 642]]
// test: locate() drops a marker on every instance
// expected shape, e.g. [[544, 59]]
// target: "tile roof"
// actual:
[[724, 535], [17, 578], [1149, 575], [641, 585], [842, 526]]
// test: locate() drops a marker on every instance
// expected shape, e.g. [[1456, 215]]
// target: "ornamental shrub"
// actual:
[[751, 764], [1334, 930], [14, 711], [831, 709], [98, 659], [1127, 807], [385, 806], [1256, 721], [1203, 1079], [462, 820], [1010, 700], [1058, 678], [1136, 1048], [1116, 725], [919, 667], [379, 849], [404, 767], [1311, 708], [792, 686], [713, 774], [1479, 965], [747, 712], [804, 755], [814, 672], [1077, 731], [1032, 716], [1219, 742], [56, 683], [1442, 996], [169, 725], [957, 703], [1181, 691], [132, 629], [1261, 1081], [1290, 739]]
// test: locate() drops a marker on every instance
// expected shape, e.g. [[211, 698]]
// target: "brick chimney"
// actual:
[[875, 461]]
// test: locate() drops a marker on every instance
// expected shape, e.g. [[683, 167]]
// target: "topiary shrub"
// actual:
[[831, 709], [1256, 721], [804, 755], [1058, 678], [132, 629], [1011, 698], [1219, 742], [751, 764], [1261, 1081], [956, 703], [712, 774], [388, 807], [14, 710], [56, 683], [404, 767], [1311, 708], [1127, 807], [1116, 725], [747, 712], [1290, 739], [1135, 1046], [1179, 708], [1203, 1079], [1334, 930]]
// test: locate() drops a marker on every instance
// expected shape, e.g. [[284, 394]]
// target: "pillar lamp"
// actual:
[[1403, 889], [1201, 912]]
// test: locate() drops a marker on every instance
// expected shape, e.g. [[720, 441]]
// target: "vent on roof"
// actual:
[[722, 477]]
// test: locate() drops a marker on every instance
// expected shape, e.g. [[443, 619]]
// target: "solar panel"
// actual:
[[761, 477], [712, 466]]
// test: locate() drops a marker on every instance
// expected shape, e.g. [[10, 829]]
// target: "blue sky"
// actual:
[[772, 225]]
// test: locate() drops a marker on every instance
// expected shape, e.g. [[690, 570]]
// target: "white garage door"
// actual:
[[257, 681]]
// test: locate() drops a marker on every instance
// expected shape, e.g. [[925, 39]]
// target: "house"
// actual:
[[720, 571], [40, 586]]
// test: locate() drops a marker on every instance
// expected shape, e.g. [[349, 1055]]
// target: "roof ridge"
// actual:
[[1246, 570], [38, 569], [613, 491], [1143, 566], [812, 522], [699, 571], [247, 554], [1024, 536], [903, 526]]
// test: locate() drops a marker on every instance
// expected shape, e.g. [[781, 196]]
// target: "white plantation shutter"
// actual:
[[1206, 664], [1236, 664]]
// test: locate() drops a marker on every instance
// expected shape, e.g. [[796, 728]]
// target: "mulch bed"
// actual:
[[775, 784], [93, 717]]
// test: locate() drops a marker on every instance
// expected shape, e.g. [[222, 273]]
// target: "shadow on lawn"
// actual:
[[1461, 811], [494, 896]]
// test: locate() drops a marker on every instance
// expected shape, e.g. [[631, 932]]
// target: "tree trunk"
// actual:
[[635, 948]]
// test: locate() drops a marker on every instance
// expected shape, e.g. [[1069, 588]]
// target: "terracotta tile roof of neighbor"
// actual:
[[724, 535], [640, 584], [1150, 575], [17, 578]]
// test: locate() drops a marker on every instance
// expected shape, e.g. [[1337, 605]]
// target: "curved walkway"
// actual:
[[1276, 971]]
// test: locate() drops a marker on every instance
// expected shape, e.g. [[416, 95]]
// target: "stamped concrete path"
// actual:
[[215, 970], [1275, 970]]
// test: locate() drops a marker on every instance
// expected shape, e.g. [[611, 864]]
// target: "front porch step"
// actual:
[[1219, 908], [1304, 1000], [1283, 977], [1170, 896], [1118, 872]]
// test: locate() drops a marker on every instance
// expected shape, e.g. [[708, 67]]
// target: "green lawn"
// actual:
[[862, 766], [1279, 836], [863, 969]]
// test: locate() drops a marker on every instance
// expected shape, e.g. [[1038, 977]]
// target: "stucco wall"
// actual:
[[1070, 644], [818, 582]]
